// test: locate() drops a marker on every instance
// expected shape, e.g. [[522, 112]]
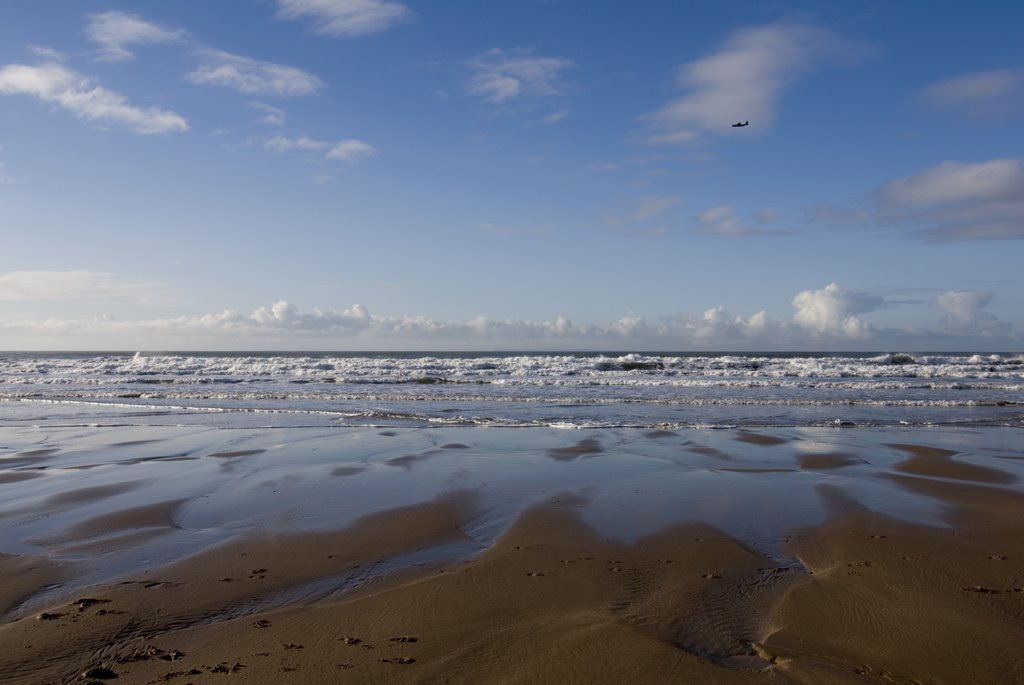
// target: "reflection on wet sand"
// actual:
[[832, 556]]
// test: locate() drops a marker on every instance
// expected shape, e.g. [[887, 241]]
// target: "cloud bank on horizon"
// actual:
[[162, 163], [829, 316]]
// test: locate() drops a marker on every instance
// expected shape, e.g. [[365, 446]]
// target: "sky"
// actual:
[[527, 175]]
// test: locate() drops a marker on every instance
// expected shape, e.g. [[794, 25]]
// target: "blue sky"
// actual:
[[539, 174]]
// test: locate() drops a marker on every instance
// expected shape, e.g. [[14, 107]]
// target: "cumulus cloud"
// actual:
[[283, 314], [832, 311], [54, 83], [964, 313], [744, 80], [350, 151], [501, 75], [251, 76], [114, 31], [985, 93], [67, 286], [830, 316], [346, 18], [717, 325], [959, 201], [356, 322]]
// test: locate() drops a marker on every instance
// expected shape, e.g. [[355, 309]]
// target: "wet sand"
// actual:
[[478, 556]]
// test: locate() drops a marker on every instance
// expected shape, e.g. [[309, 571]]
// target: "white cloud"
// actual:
[[630, 325], [115, 30], [346, 17], [718, 325], [950, 182], [964, 313], [501, 75], [743, 80], [78, 94], [556, 116], [351, 151], [287, 144], [959, 201], [47, 54], [720, 220], [994, 92], [286, 315], [67, 286], [830, 317], [251, 76], [271, 115], [832, 311]]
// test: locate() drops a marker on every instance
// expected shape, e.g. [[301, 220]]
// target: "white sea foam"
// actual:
[[630, 389]]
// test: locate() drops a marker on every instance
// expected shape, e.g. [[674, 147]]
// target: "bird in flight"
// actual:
[[741, 124]]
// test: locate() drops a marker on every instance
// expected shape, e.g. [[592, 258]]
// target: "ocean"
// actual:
[[583, 390]]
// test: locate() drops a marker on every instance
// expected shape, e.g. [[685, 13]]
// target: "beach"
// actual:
[[473, 555]]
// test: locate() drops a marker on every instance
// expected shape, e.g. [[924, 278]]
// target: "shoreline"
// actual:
[[800, 556]]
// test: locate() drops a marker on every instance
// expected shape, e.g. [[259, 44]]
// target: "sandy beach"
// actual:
[[191, 555]]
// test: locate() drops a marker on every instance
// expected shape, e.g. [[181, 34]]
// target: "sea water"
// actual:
[[585, 390]]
